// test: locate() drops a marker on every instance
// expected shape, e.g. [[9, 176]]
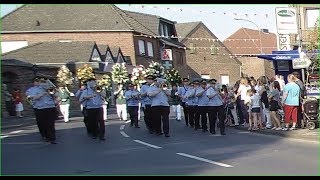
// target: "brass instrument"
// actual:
[[49, 86], [98, 89]]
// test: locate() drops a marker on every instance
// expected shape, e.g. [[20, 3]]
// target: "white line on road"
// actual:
[[124, 134], [2, 137], [122, 127], [147, 144], [15, 132], [204, 160]]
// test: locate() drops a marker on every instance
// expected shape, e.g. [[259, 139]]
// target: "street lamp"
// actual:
[[239, 19]]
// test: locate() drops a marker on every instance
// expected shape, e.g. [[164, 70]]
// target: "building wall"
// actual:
[[203, 62], [256, 67], [124, 40], [145, 59], [23, 80]]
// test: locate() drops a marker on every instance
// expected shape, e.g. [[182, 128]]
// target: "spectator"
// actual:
[[17, 96]]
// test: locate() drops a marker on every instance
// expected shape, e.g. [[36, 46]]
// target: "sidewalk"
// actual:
[[303, 134]]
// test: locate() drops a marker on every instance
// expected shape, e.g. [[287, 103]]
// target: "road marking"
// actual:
[[147, 144], [122, 127], [124, 134], [244, 132], [2, 137], [15, 132], [204, 160]]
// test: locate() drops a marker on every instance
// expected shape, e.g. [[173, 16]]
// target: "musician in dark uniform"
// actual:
[[181, 92]]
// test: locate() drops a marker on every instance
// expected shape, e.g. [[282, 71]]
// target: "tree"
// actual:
[[120, 73], [64, 76], [313, 37]]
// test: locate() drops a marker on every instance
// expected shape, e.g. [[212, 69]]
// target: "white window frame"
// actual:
[[142, 48], [311, 12], [166, 30], [225, 79], [150, 49], [161, 30]]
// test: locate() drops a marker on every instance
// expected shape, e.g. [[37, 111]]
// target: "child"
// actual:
[[18, 102], [255, 109]]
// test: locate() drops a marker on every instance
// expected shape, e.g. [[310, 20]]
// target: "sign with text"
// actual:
[[283, 42], [166, 54], [286, 20]]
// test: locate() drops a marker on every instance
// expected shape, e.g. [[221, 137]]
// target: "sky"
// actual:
[[218, 18]]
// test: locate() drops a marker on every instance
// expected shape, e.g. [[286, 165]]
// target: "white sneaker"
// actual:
[[274, 128], [278, 129], [285, 129]]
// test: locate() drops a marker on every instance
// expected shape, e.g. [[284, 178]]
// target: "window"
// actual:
[[192, 48], [150, 49], [312, 16], [225, 79], [142, 50], [95, 55], [205, 76], [161, 29], [213, 50], [166, 33], [283, 65], [12, 45], [165, 29], [179, 58]]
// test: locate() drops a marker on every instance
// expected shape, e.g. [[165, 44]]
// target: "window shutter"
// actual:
[[192, 48], [213, 50]]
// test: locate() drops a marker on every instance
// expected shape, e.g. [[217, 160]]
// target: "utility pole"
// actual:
[[300, 37]]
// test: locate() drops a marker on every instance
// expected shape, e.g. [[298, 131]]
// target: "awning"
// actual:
[[288, 55], [281, 55]]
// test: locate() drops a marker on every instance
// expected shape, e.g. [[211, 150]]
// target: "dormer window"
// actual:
[[166, 29], [142, 50]]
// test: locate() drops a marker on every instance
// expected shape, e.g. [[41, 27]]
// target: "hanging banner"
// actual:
[[166, 54], [286, 21]]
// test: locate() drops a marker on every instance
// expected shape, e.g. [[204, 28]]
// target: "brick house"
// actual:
[[44, 58], [246, 44], [206, 56], [140, 36]]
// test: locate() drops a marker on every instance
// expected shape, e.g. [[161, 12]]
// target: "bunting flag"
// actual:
[[197, 39], [179, 9]]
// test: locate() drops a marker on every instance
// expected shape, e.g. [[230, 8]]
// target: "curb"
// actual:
[[287, 134]]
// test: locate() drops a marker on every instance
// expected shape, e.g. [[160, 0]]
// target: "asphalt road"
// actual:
[[132, 151]]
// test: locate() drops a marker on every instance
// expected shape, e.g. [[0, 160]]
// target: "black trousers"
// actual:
[[147, 117], [185, 112], [244, 110], [160, 113], [192, 112], [133, 112], [46, 122], [40, 126], [213, 112], [86, 119], [196, 117], [96, 122], [203, 113], [239, 112]]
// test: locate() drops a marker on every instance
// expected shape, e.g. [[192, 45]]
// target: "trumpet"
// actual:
[[98, 89]]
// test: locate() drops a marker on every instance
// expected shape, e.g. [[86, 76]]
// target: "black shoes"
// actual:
[[102, 138], [204, 130], [223, 133], [167, 135], [53, 142], [137, 126], [212, 132]]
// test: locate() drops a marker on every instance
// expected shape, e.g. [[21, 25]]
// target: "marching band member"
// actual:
[[94, 98], [158, 92], [132, 96]]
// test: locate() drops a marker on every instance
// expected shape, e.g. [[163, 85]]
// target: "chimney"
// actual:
[[265, 30]]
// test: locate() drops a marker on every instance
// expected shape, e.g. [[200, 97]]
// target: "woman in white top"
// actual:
[[242, 92]]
